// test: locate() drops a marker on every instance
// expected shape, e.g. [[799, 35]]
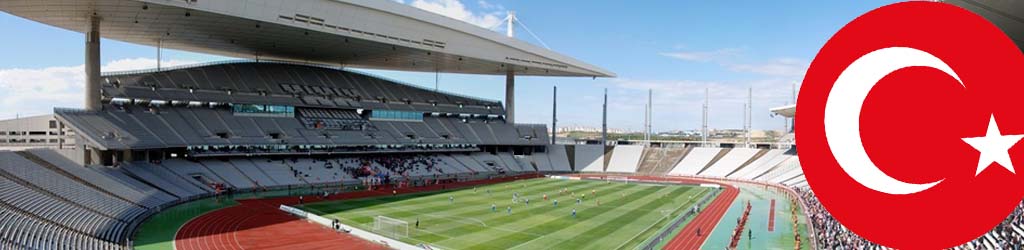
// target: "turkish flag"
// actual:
[[912, 126]]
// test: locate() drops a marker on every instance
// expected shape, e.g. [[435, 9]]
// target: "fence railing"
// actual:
[[668, 231]]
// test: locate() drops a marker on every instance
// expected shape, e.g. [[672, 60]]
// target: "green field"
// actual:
[[628, 214]]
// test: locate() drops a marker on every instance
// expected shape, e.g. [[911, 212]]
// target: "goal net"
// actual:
[[390, 227], [623, 179]]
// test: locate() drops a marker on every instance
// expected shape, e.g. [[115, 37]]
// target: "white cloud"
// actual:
[[37, 91], [141, 63], [456, 10], [489, 6], [727, 57], [777, 67], [704, 56]]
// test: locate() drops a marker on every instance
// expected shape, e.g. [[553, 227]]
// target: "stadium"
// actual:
[[296, 149]]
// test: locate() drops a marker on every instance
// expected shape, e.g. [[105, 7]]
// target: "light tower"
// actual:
[[748, 119], [704, 125], [648, 117], [604, 120], [554, 114]]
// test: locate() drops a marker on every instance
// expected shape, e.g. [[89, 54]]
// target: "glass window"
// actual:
[[396, 115], [257, 109]]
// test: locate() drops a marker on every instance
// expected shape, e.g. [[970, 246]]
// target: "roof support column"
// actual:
[[510, 97], [92, 65]]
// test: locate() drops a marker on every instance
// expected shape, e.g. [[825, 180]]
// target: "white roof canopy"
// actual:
[[353, 33], [786, 111], [1007, 15]]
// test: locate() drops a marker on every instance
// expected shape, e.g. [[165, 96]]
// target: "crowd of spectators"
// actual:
[[406, 164], [380, 166], [1008, 235], [828, 232], [276, 149]]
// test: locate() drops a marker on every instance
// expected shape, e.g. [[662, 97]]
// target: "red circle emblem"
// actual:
[[909, 125]]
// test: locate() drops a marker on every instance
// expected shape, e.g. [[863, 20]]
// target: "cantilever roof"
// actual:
[[1007, 15], [786, 111], [353, 33]]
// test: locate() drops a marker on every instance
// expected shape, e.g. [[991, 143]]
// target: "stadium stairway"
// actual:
[[671, 159], [188, 170], [648, 159], [247, 167], [696, 160], [730, 162], [721, 154], [451, 161], [227, 172], [752, 159]]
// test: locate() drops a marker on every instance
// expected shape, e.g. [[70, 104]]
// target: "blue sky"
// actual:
[[676, 48]]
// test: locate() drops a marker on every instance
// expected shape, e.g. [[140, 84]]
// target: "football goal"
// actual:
[[390, 227], [623, 179]]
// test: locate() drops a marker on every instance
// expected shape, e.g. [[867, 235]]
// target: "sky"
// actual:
[[677, 49]]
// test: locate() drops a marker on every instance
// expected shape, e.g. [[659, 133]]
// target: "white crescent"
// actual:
[[842, 114]]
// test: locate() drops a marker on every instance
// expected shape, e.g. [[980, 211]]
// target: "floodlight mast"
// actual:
[[604, 120], [704, 125], [749, 118], [554, 114]]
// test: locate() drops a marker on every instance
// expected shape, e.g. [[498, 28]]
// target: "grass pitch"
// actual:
[[628, 214]]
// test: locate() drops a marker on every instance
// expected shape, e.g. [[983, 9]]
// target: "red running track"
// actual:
[[771, 217], [259, 224], [706, 220]]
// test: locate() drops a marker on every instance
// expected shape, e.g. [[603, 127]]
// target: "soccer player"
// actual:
[[417, 222], [574, 213], [451, 199], [494, 208], [545, 196], [584, 196], [578, 201], [556, 203], [593, 192], [509, 210], [527, 201]]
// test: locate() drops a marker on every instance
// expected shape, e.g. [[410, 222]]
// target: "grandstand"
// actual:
[[298, 116]]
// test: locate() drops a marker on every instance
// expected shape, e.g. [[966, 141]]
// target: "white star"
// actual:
[[994, 147]]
